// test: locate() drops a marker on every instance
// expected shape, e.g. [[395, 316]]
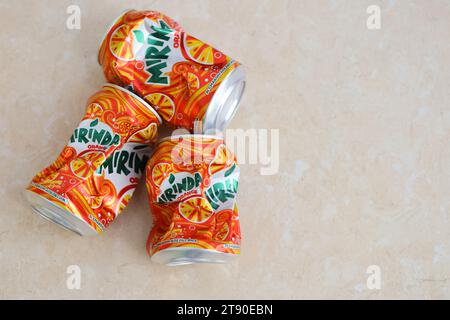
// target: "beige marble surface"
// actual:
[[364, 178]]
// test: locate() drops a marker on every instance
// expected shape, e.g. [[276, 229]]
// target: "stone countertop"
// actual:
[[364, 151]]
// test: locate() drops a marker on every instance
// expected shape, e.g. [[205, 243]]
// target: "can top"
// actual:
[[136, 97], [225, 102]]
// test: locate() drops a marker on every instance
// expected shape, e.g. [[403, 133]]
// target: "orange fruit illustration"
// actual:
[[94, 110], [121, 44], [85, 165], [199, 51], [162, 104], [160, 172], [223, 159], [145, 135], [193, 82], [80, 167], [196, 209]]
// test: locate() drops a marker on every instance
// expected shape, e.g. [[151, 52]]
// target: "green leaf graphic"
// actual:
[[94, 123], [230, 171], [139, 35], [171, 178]]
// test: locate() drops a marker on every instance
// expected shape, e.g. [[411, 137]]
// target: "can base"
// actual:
[[55, 214], [183, 256]]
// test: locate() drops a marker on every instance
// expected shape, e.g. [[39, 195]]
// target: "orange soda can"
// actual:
[[94, 177], [182, 77], [192, 182]]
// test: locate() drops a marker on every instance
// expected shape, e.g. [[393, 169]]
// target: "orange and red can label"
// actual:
[[175, 72], [96, 173], [192, 183]]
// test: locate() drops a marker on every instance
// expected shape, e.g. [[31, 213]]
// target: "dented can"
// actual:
[[94, 177], [192, 182], [189, 83]]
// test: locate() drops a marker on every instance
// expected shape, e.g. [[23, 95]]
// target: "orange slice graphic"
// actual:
[[160, 172], [145, 135], [121, 44], [162, 104], [196, 209], [199, 51], [94, 110], [85, 165], [193, 82]]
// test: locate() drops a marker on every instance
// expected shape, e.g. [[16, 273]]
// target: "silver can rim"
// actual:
[[57, 215], [183, 256], [221, 109]]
